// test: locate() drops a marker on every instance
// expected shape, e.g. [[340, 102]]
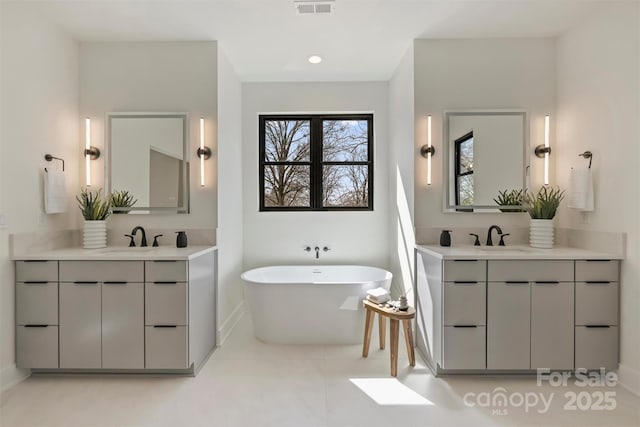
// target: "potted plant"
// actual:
[[95, 210], [510, 200], [542, 207], [121, 201]]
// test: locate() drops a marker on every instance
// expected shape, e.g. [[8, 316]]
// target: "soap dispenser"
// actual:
[[181, 239], [445, 238]]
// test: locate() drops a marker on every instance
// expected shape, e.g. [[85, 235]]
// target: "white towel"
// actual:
[[581, 189], [378, 295], [55, 196]]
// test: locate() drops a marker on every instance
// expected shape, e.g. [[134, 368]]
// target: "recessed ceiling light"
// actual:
[[315, 59]]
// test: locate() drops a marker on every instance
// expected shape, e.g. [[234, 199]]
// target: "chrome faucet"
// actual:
[[143, 243], [489, 240], [317, 249]]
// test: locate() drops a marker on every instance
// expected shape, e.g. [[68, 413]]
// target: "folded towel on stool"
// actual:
[[378, 295]]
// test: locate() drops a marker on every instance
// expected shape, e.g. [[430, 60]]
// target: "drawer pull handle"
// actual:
[[115, 283], [597, 282], [35, 260], [465, 260], [547, 282], [35, 282], [516, 282], [35, 326], [165, 326], [597, 326], [86, 283], [597, 260], [465, 282], [165, 260], [165, 283], [465, 326]]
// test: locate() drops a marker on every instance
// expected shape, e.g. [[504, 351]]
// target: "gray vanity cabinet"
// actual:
[[101, 314], [37, 314], [597, 314], [166, 315], [464, 314], [530, 314]]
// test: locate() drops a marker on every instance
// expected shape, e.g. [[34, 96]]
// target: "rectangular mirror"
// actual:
[[485, 152], [148, 155]]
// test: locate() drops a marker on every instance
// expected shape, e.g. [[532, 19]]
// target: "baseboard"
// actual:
[[11, 376], [629, 378], [230, 323]]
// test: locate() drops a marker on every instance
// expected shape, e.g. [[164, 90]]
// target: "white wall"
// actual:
[[401, 154], [478, 74], [279, 237], [156, 77], [229, 196], [598, 110], [39, 86]]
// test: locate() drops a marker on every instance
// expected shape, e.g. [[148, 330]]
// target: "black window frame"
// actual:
[[315, 162], [458, 142]]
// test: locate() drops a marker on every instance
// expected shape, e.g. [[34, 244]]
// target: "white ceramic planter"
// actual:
[[94, 234], [541, 233]]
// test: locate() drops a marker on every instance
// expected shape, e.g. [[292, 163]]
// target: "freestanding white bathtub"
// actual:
[[310, 304]]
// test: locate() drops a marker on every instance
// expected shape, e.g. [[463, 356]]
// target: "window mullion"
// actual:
[[316, 162]]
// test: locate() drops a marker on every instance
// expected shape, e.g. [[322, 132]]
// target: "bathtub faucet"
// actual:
[[317, 249]]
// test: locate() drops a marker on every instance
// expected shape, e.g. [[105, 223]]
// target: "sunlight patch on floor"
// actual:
[[389, 391]]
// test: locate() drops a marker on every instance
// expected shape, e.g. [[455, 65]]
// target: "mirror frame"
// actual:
[[449, 208], [184, 116]]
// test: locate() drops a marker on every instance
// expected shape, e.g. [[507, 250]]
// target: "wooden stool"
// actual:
[[394, 316]]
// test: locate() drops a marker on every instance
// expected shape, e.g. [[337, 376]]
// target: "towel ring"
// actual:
[[49, 157], [587, 155]]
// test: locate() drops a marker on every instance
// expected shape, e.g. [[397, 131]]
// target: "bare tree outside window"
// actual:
[[316, 162]]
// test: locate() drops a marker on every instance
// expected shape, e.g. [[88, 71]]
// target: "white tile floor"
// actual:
[[249, 383]]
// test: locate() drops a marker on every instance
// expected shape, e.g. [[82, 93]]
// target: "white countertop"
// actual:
[[512, 252], [117, 253]]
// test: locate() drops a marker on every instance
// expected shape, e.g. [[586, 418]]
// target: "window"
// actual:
[[464, 170], [316, 162]]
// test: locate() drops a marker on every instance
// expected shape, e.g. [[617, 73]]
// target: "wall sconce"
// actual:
[[428, 151], [90, 152], [543, 151], [203, 152]]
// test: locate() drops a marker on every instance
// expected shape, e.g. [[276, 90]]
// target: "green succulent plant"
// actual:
[[93, 206], [121, 199], [507, 198], [544, 203]]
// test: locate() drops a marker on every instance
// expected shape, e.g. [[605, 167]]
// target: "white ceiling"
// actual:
[[266, 40]]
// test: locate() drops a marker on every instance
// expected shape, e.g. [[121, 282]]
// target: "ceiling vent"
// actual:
[[312, 7]]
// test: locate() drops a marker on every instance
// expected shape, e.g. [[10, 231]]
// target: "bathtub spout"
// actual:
[[317, 252]]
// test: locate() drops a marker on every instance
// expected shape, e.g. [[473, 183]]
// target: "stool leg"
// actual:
[[368, 326], [408, 337], [382, 330], [395, 327]]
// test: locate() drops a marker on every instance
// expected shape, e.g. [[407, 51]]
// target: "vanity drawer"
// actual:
[[37, 347], [101, 271], [464, 303], [597, 303], [27, 271], [465, 270], [530, 271], [166, 303], [166, 271], [464, 348], [166, 347], [37, 303], [597, 270], [597, 347]]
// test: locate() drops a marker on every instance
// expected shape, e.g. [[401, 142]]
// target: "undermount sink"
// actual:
[[504, 249], [127, 250]]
